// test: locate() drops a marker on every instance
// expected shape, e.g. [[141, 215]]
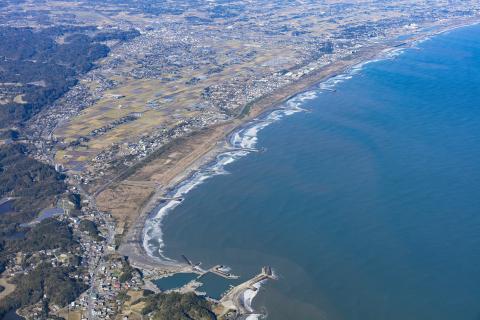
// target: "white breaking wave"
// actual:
[[247, 300], [242, 142], [331, 83]]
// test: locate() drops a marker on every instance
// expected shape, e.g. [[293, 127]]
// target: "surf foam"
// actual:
[[242, 142]]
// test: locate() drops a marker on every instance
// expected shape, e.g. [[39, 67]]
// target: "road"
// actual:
[[97, 266], [99, 262]]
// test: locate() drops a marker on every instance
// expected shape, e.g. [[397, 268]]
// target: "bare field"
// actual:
[[9, 287], [126, 200], [208, 69], [123, 200], [70, 315], [174, 99]]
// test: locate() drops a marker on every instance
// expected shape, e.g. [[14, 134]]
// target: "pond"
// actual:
[[6, 207], [12, 315]]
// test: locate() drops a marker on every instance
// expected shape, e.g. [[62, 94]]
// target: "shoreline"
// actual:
[[261, 109]]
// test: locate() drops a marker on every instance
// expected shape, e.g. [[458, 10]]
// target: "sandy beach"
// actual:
[[183, 157], [202, 147], [178, 162]]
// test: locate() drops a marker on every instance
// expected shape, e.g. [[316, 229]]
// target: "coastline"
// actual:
[[221, 141], [133, 243]]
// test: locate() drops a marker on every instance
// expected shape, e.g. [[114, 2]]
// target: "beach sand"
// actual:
[[130, 201], [133, 199]]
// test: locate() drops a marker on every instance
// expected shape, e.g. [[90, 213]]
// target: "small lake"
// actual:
[[16, 236], [49, 213], [6, 207], [12, 315]]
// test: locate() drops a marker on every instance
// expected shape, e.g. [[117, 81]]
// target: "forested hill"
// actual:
[[32, 184], [176, 306], [39, 66]]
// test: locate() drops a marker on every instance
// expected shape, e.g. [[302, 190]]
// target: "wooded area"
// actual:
[[177, 306], [40, 68], [33, 184]]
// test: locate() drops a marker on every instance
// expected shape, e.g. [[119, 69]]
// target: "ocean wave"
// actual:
[[242, 142], [246, 138], [331, 83], [247, 300]]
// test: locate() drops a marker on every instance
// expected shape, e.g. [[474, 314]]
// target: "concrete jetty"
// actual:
[[233, 299], [218, 270]]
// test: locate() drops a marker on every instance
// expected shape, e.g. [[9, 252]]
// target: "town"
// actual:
[[175, 71]]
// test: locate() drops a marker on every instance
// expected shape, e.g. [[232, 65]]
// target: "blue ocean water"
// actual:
[[368, 205]]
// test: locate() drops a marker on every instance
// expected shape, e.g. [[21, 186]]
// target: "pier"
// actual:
[[187, 260], [244, 149], [162, 199], [222, 273], [233, 299]]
